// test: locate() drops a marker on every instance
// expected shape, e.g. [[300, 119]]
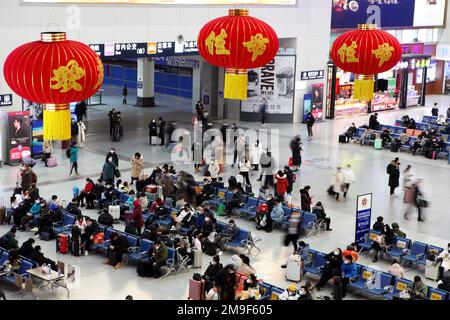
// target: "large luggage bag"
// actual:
[[51, 162], [2, 210], [342, 138], [114, 211], [294, 268], [378, 144], [431, 270], [198, 258], [394, 146], [62, 243], [144, 268], [210, 248], [195, 289]]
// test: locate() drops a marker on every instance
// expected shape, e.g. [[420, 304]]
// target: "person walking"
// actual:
[[296, 147], [293, 230], [349, 178], [239, 150], [108, 171], [266, 168], [282, 184], [124, 93], [80, 110], [255, 154], [112, 154], [161, 130], [81, 133], [74, 130], [244, 168], [309, 125], [137, 167], [152, 130], [48, 149], [412, 198], [263, 110], [393, 170], [435, 110], [73, 158], [306, 199], [111, 115], [337, 183]]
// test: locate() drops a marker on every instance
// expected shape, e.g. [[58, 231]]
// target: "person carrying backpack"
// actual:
[[72, 154]]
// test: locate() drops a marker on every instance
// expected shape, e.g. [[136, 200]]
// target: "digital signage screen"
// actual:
[[347, 14], [169, 2]]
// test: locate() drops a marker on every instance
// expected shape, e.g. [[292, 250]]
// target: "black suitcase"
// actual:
[[210, 248], [394, 147], [112, 258], [144, 268], [342, 138], [75, 246]]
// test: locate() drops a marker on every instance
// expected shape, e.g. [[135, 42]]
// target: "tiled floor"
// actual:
[[320, 157]]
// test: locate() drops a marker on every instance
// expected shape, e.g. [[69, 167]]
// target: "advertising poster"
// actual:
[[275, 83], [363, 216], [19, 144], [37, 136], [317, 101], [347, 14]]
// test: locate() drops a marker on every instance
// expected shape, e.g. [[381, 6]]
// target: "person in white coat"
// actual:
[[349, 178], [337, 182], [244, 168], [408, 178], [214, 169], [81, 134], [255, 155]]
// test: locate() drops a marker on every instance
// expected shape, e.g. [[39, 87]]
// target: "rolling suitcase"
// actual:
[[294, 268], [51, 162], [114, 211], [195, 289], [394, 147], [198, 257], [62, 243], [75, 247], [342, 138], [210, 248], [378, 144], [2, 210], [144, 268]]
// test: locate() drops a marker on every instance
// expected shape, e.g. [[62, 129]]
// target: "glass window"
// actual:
[[409, 36]]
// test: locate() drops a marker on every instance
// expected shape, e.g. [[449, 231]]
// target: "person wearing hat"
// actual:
[[291, 293], [373, 122], [397, 231]]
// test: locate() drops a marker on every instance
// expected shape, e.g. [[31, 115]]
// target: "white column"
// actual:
[[146, 83]]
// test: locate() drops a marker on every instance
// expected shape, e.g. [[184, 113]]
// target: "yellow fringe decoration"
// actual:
[[57, 125], [363, 89], [235, 86]]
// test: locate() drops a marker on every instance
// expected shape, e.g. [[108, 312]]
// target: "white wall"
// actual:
[[309, 22]]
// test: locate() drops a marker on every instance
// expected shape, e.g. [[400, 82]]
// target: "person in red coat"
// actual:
[[306, 198], [136, 217], [86, 194], [282, 184]]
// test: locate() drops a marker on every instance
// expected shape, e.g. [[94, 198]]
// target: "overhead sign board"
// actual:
[[169, 2]]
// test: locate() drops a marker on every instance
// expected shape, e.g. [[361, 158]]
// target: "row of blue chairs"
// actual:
[[389, 285], [404, 249], [25, 265]]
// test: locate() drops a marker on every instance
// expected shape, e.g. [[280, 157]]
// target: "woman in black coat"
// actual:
[[394, 175], [162, 130], [334, 262], [39, 257], [296, 154], [27, 248], [152, 129]]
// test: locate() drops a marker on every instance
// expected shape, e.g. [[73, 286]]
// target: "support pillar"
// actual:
[[146, 83]]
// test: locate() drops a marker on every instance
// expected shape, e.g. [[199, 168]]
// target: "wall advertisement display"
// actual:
[[347, 14], [19, 144], [363, 216], [37, 136], [274, 82], [169, 2]]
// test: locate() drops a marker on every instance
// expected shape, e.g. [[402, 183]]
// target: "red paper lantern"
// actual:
[[237, 42], [54, 72], [365, 52]]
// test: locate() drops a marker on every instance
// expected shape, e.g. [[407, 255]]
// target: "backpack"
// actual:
[[68, 152], [388, 169]]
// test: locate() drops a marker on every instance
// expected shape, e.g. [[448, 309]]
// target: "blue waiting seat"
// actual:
[[400, 247], [265, 289], [446, 150], [417, 252], [237, 242], [386, 280], [430, 250], [400, 130], [249, 209], [308, 222], [436, 294], [23, 271], [367, 244], [136, 253], [185, 230], [400, 285], [398, 122], [171, 263], [359, 134], [103, 246], [4, 257], [315, 264], [276, 292], [68, 220], [219, 197], [133, 241], [361, 281]]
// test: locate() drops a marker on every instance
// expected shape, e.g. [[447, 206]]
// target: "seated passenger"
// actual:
[[418, 290], [117, 247], [184, 218], [39, 257], [291, 293], [305, 293], [211, 272], [12, 265], [350, 132], [397, 231], [368, 135], [245, 267], [321, 216], [277, 213], [73, 207], [92, 228], [396, 269], [349, 272], [86, 194], [227, 234], [9, 241], [158, 258], [105, 218], [27, 248]]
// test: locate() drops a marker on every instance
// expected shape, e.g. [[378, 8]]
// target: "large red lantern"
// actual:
[[365, 52], [237, 42], [54, 72]]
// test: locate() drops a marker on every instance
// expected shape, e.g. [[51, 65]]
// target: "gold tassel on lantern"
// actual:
[[235, 84], [57, 122], [364, 86]]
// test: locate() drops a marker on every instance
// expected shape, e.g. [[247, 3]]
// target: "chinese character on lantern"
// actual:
[[348, 52], [217, 42], [383, 53], [257, 45], [66, 77]]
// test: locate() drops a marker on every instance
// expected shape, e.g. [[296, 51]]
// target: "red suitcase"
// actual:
[[62, 243], [195, 290]]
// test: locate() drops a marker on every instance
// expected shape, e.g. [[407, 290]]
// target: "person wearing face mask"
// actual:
[[31, 215], [445, 266], [228, 234], [108, 170], [250, 290], [349, 272], [333, 262], [211, 273], [305, 294], [226, 280], [112, 154], [291, 293]]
